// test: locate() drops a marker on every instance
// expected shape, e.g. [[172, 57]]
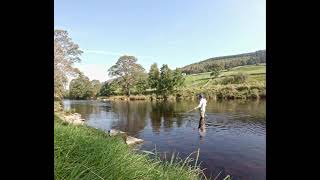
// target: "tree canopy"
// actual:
[[66, 53], [128, 70]]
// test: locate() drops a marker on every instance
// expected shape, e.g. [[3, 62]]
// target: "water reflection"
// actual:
[[233, 139], [131, 116]]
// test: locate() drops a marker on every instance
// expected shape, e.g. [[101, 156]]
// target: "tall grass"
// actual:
[[86, 153]]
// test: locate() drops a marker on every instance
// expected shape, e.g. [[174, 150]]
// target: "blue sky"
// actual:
[[173, 32]]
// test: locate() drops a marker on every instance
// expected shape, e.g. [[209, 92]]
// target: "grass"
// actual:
[[256, 74], [254, 87], [81, 152]]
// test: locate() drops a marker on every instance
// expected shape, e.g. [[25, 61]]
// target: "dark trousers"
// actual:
[[201, 122]]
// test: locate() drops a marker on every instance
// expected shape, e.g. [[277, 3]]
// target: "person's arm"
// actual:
[[199, 105]]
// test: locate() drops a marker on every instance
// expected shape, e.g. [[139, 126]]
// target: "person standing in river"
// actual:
[[202, 107]]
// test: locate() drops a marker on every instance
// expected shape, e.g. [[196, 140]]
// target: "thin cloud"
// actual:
[[112, 53], [101, 52]]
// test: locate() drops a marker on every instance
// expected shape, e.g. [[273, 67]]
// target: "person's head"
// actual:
[[200, 96]]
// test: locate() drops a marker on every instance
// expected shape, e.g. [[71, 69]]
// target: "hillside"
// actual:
[[256, 75], [226, 62]]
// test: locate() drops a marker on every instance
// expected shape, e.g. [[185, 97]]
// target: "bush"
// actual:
[[240, 78], [57, 106], [262, 94], [236, 79], [254, 93]]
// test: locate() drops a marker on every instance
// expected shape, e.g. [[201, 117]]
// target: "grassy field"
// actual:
[[81, 152], [254, 87], [257, 74]]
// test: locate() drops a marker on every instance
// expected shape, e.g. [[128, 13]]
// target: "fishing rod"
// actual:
[[194, 109]]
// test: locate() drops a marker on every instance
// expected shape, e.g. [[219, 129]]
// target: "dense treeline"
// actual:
[[226, 62], [130, 78]]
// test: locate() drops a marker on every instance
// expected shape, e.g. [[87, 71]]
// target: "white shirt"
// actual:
[[202, 105]]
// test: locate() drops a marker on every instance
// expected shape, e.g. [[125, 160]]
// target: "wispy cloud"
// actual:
[[101, 52], [113, 53]]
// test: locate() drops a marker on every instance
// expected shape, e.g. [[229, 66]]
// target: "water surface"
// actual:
[[234, 143]]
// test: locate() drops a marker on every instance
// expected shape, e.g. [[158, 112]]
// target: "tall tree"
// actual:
[[178, 78], [169, 80], [96, 86], [153, 76], [142, 84], [80, 88], [66, 53], [128, 70]]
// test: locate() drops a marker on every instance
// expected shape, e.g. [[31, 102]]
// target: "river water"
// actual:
[[234, 142]]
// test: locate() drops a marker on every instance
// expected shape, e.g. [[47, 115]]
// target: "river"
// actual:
[[234, 142]]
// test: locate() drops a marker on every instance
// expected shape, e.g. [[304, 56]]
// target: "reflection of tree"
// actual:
[[179, 107], [132, 116], [155, 117], [168, 112], [162, 110], [84, 108]]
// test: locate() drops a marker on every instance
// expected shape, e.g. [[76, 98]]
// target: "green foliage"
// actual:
[[216, 70], [58, 106], [96, 86], [81, 88], [178, 78], [108, 89], [141, 85], [235, 79], [128, 70], [153, 76], [169, 80], [66, 53]]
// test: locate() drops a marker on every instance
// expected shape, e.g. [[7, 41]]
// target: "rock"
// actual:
[[114, 132], [74, 118], [131, 140], [128, 139]]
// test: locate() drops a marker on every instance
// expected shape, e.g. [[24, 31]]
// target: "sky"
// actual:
[[173, 32]]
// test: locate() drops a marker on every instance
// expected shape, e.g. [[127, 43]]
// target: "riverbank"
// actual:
[[81, 152], [230, 91]]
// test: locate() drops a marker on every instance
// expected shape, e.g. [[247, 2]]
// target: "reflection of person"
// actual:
[[202, 105]]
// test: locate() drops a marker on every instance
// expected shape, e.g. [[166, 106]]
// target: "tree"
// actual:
[[96, 86], [153, 76], [66, 53], [141, 85], [127, 69], [81, 88], [107, 89], [178, 78], [168, 81], [216, 70]]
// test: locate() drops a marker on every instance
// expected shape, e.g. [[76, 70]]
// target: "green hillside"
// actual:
[[226, 62], [256, 74]]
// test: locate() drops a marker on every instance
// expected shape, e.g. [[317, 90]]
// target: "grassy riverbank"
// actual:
[[81, 152]]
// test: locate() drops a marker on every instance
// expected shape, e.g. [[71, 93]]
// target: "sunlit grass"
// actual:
[[86, 153]]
